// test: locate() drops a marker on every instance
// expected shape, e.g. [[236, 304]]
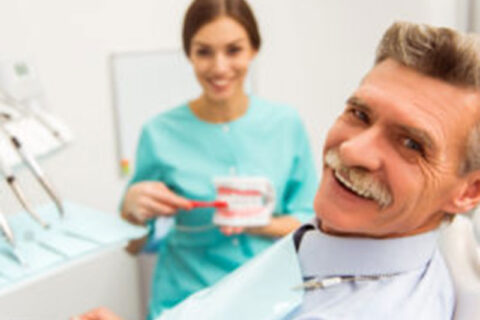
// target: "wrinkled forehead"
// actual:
[[409, 98], [416, 89]]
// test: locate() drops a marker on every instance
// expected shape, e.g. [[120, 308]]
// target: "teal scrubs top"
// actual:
[[186, 153]]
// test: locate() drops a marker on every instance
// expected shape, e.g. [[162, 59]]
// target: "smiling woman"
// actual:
[[221, 53], [222, 133]]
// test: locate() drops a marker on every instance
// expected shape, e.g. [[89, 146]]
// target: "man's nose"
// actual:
[[363, 150]]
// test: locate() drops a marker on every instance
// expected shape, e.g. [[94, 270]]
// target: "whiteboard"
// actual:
[[145, 84]]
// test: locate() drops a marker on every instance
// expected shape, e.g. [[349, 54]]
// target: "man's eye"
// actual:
[[360, 115], [413, 145]]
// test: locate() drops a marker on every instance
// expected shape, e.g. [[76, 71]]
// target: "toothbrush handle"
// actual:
[[208, 204]]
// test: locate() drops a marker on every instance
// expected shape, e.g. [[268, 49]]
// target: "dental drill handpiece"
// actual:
[[12, 182], [10, 238], [38, 173], [32, 164], [6, 230]]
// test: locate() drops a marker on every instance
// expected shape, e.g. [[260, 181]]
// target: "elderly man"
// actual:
[[402, 157]]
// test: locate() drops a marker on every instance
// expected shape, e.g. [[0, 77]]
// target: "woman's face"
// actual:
[[220, 53]]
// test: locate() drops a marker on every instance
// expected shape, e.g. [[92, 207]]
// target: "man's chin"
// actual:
[[336, 220]]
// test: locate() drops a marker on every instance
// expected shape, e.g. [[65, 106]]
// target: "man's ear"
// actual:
[[467, 196]]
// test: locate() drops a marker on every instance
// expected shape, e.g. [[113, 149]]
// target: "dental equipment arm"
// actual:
[[20, 87], [46, 120], [33, 108]]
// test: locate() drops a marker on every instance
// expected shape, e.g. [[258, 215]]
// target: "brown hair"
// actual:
[[441, 53], [202, 12]]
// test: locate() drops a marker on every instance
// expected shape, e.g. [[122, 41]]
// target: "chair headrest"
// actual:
[[460, 248], [476, 224]]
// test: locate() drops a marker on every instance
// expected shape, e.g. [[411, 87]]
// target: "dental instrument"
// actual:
[[32, 164], [12, 182], [7, 231]]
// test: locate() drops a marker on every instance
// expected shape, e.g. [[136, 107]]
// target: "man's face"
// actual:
[[393, 156]]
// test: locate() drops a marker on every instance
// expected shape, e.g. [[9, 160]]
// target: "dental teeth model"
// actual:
[[251, 201]]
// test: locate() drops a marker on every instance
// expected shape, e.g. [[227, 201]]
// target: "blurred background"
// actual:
[[314, 53]]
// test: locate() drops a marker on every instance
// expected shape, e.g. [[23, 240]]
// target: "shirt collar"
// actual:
[[324, 255]]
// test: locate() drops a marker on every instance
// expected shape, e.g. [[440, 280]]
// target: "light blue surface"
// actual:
[[83, 230], [3, 281], [262, 289], [186, 153], [65, 244], [98, 226], [9, 266]]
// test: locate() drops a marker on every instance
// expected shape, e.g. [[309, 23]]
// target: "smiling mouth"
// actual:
[[220, 84], [352, 188], [358, 181]]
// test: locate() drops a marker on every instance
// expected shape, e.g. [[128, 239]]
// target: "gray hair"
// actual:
[[441, 53]]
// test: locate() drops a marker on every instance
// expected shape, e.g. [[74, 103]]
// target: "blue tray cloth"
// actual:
[[82, 231]]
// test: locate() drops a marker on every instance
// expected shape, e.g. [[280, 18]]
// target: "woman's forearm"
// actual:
[[278, 227]]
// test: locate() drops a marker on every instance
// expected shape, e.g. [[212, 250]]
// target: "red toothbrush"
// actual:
[[209, 204]]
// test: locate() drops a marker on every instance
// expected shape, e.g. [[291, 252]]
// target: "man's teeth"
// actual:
[[361, 192]]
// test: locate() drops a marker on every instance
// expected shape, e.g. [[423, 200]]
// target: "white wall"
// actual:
[[475, 15]]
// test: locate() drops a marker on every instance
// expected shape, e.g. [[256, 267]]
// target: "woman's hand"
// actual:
[[97, 314], [148, 199], [278, 227], [231, 231]]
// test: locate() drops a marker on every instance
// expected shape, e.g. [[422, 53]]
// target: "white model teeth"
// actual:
[[241, 202], [355, 189]]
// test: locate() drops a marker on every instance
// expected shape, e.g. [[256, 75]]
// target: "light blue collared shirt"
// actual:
[[415, 283]]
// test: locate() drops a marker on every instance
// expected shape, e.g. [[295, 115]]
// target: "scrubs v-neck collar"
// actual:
[[243, 118]]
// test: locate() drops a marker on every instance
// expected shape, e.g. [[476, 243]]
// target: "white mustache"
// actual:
[[359, 180]]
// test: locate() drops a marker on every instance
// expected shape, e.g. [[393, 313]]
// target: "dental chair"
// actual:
[[460, 245]]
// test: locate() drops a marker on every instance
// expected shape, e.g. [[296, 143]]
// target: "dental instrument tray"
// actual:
[[81, 233]]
